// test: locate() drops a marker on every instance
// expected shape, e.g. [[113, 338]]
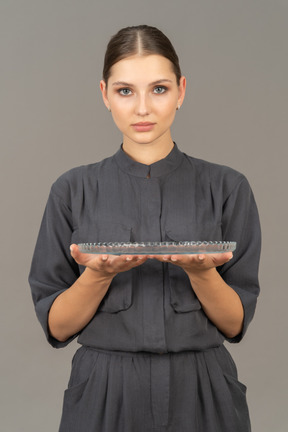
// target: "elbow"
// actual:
[[60, 337], [233, 330], [58, 333], [231, 334]]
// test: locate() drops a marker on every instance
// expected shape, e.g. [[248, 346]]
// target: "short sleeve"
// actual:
[[52, 270], [240, 223]]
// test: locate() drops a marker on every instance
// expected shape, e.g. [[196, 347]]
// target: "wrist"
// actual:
[[97, 276], [202, 275]]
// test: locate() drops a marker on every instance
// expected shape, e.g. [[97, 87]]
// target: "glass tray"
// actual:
[[158, 248]]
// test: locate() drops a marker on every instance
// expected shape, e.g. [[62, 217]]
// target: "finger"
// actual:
[[142, 257], [228, 256], [222, 257], [160, 257], [74, 251], [183, 259], [166, 257], [134, 260], [73, 248]]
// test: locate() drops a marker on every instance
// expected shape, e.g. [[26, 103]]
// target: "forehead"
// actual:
[[142, 69]]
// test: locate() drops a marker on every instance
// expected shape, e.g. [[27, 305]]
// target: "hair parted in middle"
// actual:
[[142, 40]]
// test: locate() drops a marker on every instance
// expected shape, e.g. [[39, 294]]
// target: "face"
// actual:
[[143, 95]]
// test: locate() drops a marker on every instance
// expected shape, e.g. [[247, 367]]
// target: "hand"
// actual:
[[107, 265], [196, 263]]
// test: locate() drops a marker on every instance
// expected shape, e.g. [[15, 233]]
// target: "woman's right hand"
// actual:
[[107, 265], [73, 309]]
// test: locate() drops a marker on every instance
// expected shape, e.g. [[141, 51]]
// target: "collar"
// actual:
[[157, 169]]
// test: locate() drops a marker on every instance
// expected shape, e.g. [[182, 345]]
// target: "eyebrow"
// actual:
[[123, 83]]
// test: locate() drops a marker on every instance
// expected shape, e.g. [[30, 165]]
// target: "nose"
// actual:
[[143, 105]]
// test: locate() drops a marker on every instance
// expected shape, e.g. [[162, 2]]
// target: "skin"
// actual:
[[143, 100], [144, 89]]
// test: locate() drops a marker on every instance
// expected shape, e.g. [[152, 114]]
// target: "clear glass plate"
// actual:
[[158, 248]]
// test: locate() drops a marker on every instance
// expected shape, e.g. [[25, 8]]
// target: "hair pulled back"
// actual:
[[142, 40]]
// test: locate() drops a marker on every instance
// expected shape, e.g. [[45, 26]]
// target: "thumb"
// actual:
[[74, 250]]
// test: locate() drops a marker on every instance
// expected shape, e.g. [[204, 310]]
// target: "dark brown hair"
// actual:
[[143, 40]]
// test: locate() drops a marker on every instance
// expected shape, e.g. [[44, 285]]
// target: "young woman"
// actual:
[[151, 328]]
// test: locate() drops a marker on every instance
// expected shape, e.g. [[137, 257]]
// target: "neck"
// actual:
[[149, 153]]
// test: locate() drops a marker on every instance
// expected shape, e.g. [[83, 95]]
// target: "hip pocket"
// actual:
[[79, 397], [239, 407], [83, 364]]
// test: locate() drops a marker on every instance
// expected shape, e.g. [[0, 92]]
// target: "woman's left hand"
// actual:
[[196, 263], [219, 301]]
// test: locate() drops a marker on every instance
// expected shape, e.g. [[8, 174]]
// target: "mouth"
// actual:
[[143, 126]]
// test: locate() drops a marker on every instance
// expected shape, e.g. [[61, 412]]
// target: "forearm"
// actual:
[[220, 302], [74, 308]]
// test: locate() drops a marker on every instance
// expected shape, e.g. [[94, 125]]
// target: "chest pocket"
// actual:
[[119, 295], [182, 297]]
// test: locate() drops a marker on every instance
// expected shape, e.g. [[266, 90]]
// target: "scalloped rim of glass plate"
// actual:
[[158, 248]]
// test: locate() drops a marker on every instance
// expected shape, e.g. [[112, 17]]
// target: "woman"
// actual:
[[151, 327]]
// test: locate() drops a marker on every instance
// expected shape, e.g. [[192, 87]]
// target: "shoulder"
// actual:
[[71, 182], [213, 169], [219, 176]]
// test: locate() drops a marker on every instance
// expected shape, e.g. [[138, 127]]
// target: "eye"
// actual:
[[160, 89], [124, 91]]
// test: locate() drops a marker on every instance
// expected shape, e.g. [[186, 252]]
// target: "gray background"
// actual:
[[234, 55]]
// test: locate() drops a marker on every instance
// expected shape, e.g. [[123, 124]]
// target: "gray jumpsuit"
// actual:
[[150, 359]]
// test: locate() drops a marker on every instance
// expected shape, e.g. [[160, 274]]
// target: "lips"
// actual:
[[143, 126]]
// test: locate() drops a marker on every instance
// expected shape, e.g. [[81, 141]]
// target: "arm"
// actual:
[[66, 288], [75, 307], [228, 288], [219, 301]]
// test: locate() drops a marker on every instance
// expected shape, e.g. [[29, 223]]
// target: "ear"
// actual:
[[182, 90], [103, 88]]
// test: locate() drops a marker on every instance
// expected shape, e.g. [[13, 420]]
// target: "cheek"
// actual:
[[166, 105], [167, 111], [121, 108], [120, 118]]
